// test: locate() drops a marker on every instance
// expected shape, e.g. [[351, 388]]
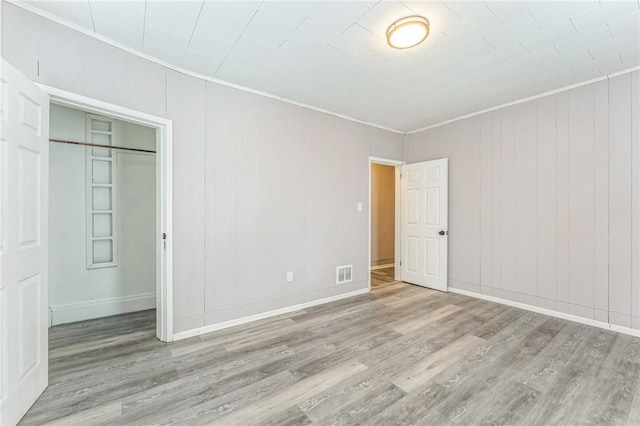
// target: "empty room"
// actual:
[[319, 212]]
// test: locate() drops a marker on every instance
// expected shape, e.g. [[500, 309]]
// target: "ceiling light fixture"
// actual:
[[408, 32]]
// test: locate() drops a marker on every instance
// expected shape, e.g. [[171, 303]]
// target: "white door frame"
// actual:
[[396, 260], [164, 193]]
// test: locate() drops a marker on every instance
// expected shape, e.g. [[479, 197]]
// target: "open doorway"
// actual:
[[102, 219], [146, 161], [384, 176], [382, 224]]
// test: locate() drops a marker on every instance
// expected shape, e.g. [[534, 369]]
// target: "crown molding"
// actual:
[[527, 99]]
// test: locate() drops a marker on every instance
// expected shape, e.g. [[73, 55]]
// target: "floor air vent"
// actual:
[[344, 274]]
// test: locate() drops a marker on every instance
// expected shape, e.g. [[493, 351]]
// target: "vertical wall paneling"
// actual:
[[581, 198], [620, 200], [507, 208], [464, 202], [562, 199], [525, 198], [547, 200], [462, 148], [559, 205], [185, 101], [486, 200], [601, 205], [497, 201], [635, 223], [227, 172]]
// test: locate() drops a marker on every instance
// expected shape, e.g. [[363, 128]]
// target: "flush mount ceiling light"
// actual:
[[408, 32]]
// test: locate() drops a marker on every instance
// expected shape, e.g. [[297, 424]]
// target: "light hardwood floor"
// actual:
[[400, 355], [383, 276]]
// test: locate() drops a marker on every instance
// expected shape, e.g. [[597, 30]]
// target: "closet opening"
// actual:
[[103, 240]]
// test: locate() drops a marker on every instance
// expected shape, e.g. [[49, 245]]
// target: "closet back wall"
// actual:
[[544, 200], [75, 292], [261, 186]]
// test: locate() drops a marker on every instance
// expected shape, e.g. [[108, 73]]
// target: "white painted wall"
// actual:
[[261, 186], [75, 292], [544, 200]]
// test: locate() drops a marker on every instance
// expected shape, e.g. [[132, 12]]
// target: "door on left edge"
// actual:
[[24, 163]]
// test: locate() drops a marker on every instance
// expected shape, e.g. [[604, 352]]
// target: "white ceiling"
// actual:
[[333, 54]]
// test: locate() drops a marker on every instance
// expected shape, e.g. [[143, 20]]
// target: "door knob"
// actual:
[[441, 232]]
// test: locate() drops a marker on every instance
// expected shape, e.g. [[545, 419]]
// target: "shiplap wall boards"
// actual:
[[544, 200]]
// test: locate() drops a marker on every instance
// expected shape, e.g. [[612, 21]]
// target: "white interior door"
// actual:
[[24, 164], [424, 232]]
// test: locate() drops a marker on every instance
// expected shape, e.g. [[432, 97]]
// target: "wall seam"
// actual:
[[480, 208], [556, 199], [631, 186], [512, 129], [493, 272], [568, 196], [607, 200], [204, 219], [595, 200], [537, 197], [499, 183]]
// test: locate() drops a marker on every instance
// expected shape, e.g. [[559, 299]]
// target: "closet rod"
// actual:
[[97, 145]]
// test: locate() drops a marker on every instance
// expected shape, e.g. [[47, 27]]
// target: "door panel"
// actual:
[[432, 257], [24, 160], [412, 254], [28, 326], [413, 207], [433, 206], [29, 197], [424, 234]]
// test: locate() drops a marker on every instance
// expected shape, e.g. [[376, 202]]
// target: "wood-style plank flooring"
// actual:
[[380, 277], [400, 355]]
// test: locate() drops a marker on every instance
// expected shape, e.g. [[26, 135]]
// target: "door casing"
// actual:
[[164, 193], [396, 260]]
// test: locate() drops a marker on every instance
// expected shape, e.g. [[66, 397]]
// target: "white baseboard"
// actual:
[[256, 317], [73, 312], [550, 312], [388, 265]]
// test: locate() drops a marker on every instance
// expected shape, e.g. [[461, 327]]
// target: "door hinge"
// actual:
[[401, 263], [164, 235], [400, 175]]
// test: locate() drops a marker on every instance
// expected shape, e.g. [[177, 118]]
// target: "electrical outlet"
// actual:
[[290, 276]]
